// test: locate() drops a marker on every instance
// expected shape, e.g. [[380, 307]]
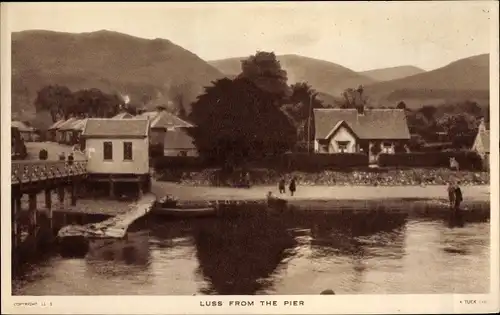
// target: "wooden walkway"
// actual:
[[115, 227]]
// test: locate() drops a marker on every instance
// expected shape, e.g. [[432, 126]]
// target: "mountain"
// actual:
[[110, 61], [464, 79], [323, 76], [393, 73]]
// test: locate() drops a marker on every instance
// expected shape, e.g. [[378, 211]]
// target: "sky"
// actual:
[[358, 35]]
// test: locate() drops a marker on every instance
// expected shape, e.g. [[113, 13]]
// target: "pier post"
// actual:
[[60, 195], [14, 212], [48, 205], [32, 212], [17, 203], [73, 194], [111, 188]]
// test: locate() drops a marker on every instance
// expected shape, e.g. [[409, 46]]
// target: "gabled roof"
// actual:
[[22, 127], [165, 120], [76, 124], [123, 115], [57, 124], [116, 128], [373, 124], [178, 140], [66, 123]]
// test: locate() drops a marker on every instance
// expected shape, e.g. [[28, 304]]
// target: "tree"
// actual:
[[237, 121], [401, 105], [354, 98], [56, 99], [95, 103], [264, 70], [300, 108]]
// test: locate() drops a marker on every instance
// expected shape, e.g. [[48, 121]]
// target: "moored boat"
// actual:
[[185, 212]]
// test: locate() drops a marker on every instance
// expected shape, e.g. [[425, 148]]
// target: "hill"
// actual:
[[110, 61], [324, 76], [393, 73], [466, 78]]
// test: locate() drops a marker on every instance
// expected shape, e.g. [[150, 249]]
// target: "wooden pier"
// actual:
[[115, 227]]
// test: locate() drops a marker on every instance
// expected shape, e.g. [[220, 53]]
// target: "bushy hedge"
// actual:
[[304, 161], [468, 160], [178, 162]]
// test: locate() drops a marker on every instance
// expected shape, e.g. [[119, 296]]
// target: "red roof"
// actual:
[[116, 128], [373, 124]]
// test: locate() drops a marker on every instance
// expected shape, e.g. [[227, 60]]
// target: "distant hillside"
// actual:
[[322, 75], [466, 78], [393, 73], [110, 61]]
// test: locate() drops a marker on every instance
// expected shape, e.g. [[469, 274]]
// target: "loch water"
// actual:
[[257, 252]]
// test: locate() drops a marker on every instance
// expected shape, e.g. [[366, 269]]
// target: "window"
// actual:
[[387, 147], [108, 150], [342, 145], [127, 151]]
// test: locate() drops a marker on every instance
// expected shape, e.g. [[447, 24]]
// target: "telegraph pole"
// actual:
[[309, 125]]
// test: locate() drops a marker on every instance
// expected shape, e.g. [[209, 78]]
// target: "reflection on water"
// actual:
[[266, 253]]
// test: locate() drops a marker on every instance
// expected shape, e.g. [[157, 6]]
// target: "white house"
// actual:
[[117, 152], [359, 130]]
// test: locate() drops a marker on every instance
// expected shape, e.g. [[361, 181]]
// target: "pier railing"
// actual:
[[34, 171]]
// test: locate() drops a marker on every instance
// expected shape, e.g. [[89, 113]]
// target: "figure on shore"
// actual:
[[281, 186], [293, 186], [458, 197], [62, 156], [451, 194]]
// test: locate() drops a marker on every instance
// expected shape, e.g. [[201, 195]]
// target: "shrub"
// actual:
[[309, 162], [178, 162], [43, 154], [467, 159]]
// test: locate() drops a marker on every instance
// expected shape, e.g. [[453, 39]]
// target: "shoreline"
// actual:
[[479, 193]]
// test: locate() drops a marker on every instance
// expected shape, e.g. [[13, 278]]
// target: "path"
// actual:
[[476, 193]]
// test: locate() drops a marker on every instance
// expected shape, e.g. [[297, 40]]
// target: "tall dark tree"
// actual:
[[401, 105], [354, 98], [55, 99], [264, 70], [300, 106], [237, 121]]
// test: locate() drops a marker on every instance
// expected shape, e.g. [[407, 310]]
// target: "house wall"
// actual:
[[97, 164], [157, 136], [176, 152]]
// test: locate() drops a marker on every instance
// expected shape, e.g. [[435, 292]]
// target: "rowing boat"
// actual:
[[185, 212]]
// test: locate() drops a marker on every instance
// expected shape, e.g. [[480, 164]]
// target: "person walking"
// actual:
[[293, 186], [458, 197], [451, 194], [281, 186]]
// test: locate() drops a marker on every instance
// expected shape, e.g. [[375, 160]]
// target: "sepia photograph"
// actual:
[[250, 157]]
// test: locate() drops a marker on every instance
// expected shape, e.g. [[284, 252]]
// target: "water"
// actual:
[[262, 253]]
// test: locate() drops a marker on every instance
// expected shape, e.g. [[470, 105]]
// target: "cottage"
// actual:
[[61, 129], [27, 132], [178, 142], [117, 154], [370, 131], [52, 130], [71, 131], [161, 122], [482, 143]]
